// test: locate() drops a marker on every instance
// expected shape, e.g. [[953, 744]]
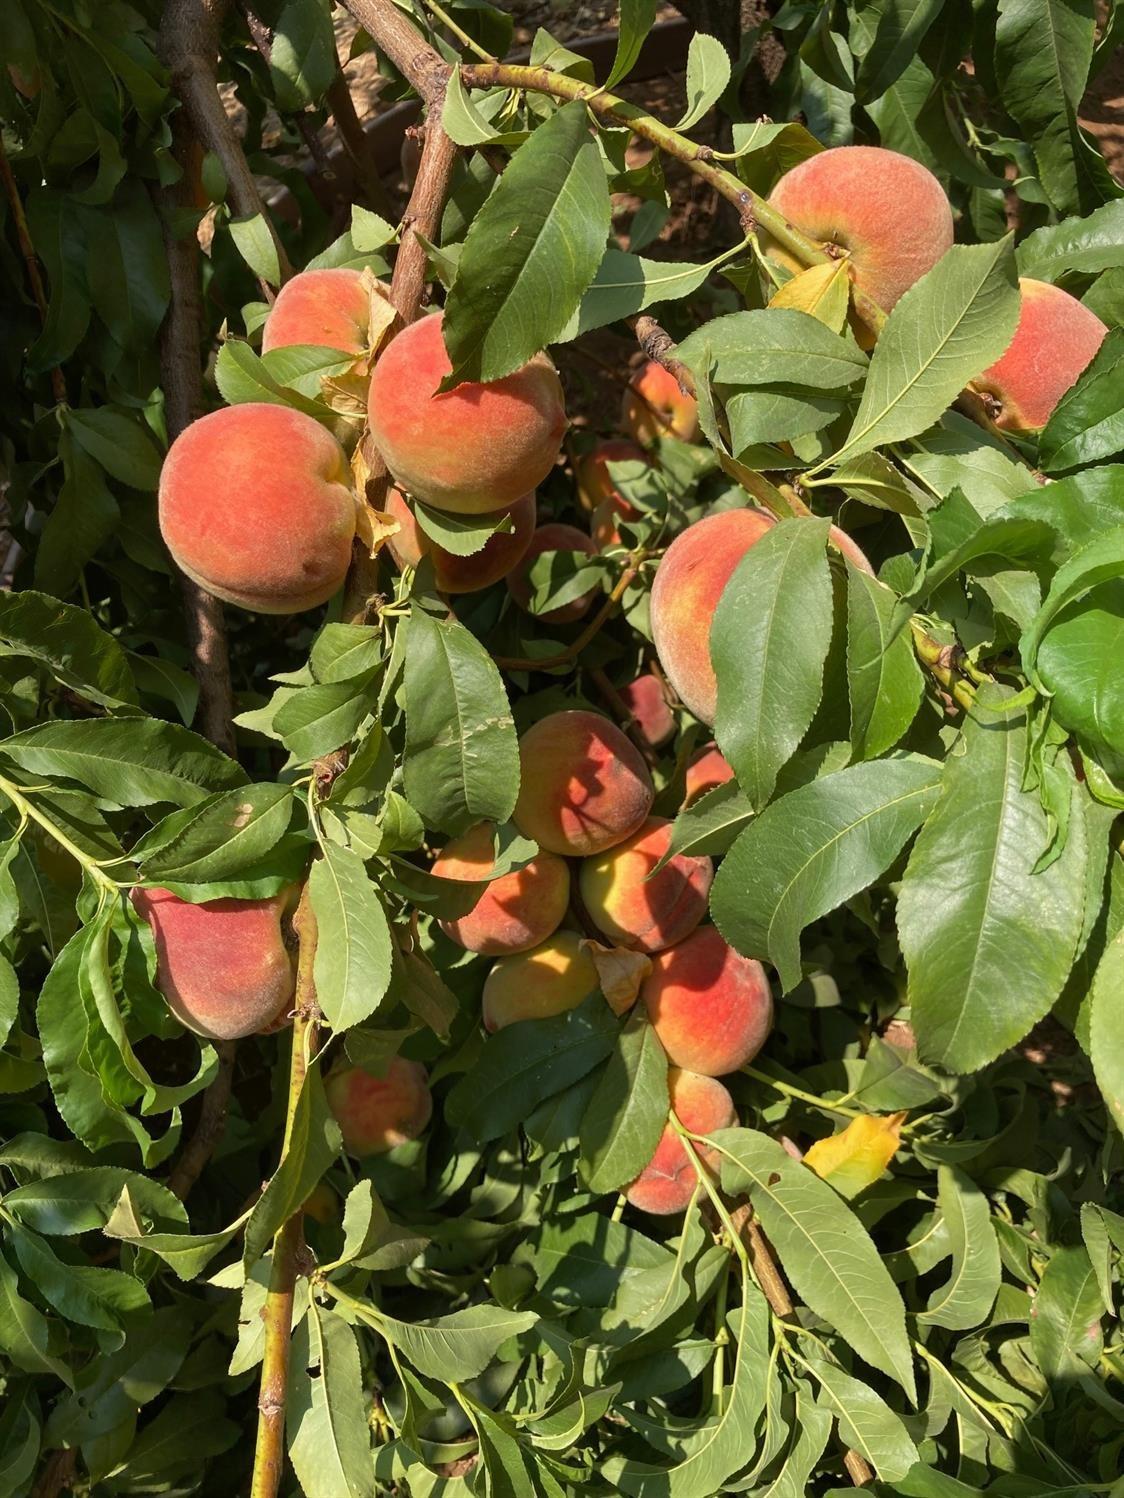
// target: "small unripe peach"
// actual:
[[329, 307], [584, 785], [551, 978], [516, 911], [378, 1113], [477, 447], [668, 1182], [255, 507], [455, 574], [222, 966], [321, 1204], [711, 1008], [552, 537], [647, 701], [594, 481], [654, 406], [707, 769], [634, 907]]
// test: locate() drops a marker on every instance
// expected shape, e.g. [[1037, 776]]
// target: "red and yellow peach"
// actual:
[[378, 1113], [456, 574], [669, 1180], [711, 1008], [634, 907], [551, 978], [517, 911]]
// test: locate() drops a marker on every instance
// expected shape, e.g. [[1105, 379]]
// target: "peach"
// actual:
[[322, 1204], [375, 1114], [255, 507], [223, 966], [887, 210], [1056, 339], [516, 911], [668, 1181], [584, 785], [603, 525], [647, 701], [478, 447], [850, 549], [654, 406], [707, 769], [634, 907], [557, 975], [711, 1008], [594, 481], [552, 537], [455, 574], [330, 308], [689, 582]]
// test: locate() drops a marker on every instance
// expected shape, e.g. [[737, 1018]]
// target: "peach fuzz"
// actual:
[[1056, 339], [584, 784], [654, 406], [551, 537], [594, 481], [255, 507], [635, 908], [689, 582], [330, 308], [376, 1114], [887, 210], [478, 447], [223, 966], [708, 768], [516, 911], [668, 1181], [647, 701], [711, 1008], [551, 978], [455, 574]]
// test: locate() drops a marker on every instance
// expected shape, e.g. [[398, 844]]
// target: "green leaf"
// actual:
[[313, 1145], [458, 1346], [627, 1113], [1065, 1327], [1106, 1016], [24, 1331], [813, 849], [768, 642], [967, 1297], [462, 758], [345, 652], [1100, 561], [945, 330], [56, 224], [526, 1062], [773, 346], [255, 243], [824, 1249], [84, 516], [1090, 244], [99, 1298], [157, 677], [130, 761], [302, 58], [244, 377], [83, 1201], [708, 73], [70, 644], [1078, 663], [124, 448], [1087, 424], [627, 283], [221, 836], [710, 824], [463, 535], [326, 1415], [353, 950], [970, 898], [637, 17], [186, 1254], [900, 28], [884, 680], [768, 416], [867, 1424], [530, 253], [315, 720]]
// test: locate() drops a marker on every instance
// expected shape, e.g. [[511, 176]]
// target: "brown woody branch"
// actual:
[[355, 143]]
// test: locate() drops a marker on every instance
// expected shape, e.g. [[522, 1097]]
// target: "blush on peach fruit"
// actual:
[[654, 406], [516, 911], [378, 1113], [594, 481], [557, 975], [707, 769], [711, 1008], [850, 549], [455, 574], [476, 448], [1056, 339], [647, 701], [551, 537], [603, 523], [584, 784], [255, 507], [689, 582], [223, 966], [887, 210], [668, 1181], [635, 908], [329, 307]]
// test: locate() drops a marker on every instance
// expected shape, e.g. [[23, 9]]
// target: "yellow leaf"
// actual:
[[821, 290], [854, 1159]]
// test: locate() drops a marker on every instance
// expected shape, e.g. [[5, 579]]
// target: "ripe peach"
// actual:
[[707, 769], [638, 909], [668, 1181], [850, 549], [255, 507], [594, 481], [552, 537], [375, 1114], [1056, 339], [603, 525], [584, 786], [454, 574], [223, 966], [712, 1008], [478, 447], [646, 700], [329, 307], [654, 406], [689, 582], [889, 211], [516, 911], [557, 975]]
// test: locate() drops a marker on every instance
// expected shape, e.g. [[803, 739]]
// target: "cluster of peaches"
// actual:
[[257, 506]]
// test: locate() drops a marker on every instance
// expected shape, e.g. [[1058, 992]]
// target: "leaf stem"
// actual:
[[461, 35], [28, 810], [805, 1097]]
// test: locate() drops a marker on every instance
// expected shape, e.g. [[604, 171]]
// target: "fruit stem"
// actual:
[[28, 810]]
